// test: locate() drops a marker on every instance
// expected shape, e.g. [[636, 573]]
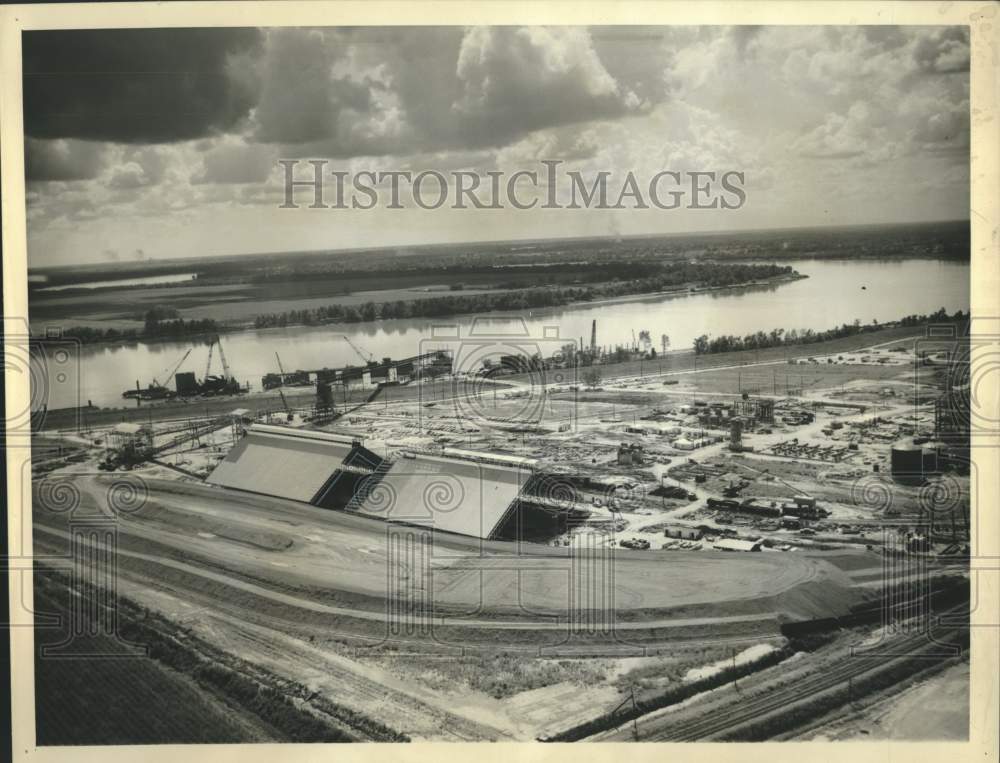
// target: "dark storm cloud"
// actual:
[[301, 100], [138, 85], [347, 92], [62, 160], [515, 81], [392, 91]]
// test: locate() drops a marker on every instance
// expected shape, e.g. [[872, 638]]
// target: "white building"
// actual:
[[734, 544], [683, 532]]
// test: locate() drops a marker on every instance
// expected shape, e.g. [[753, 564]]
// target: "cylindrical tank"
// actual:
[[185, 383], [930, 458], [907, 462]]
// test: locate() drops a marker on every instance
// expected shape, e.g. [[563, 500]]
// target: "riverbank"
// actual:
[[671, 363], [832, 296], [231, 327], [688, 360]]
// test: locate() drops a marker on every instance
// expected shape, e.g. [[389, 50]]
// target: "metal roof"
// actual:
[[306, 434], [490, 456], [281, 462], [734, 544], [447, 494]]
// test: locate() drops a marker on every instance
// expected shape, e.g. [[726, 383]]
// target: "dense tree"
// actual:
[[780, 337], [653, 279]]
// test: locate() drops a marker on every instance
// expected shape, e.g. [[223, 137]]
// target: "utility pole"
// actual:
[[635, 714]]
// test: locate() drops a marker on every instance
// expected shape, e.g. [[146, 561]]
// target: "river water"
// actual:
[[141, 281], [835, 292]]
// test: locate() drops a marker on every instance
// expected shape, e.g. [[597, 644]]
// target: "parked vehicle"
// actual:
[[637, 544]]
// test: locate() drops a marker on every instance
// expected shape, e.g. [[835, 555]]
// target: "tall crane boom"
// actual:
[[208, 365], [225, 366], [281, 381], [360, 354], [173, 370]]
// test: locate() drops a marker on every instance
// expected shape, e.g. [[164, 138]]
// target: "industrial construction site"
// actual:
[[500, 378], [600, 544]]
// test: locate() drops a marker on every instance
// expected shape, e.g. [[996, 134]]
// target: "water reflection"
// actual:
[[835, 293]]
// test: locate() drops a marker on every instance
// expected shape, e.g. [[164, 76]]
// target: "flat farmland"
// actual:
[[236, 302], [99, 692]]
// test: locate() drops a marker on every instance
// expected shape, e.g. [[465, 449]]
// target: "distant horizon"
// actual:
[[129, 158], [193, 259]]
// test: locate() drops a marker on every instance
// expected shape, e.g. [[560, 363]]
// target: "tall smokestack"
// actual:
[[593, 337]]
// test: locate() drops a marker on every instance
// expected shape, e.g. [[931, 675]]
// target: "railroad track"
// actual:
[[757, 707]]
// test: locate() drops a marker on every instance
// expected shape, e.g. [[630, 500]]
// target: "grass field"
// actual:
[[167, 686], [118, 699], [231, 303]]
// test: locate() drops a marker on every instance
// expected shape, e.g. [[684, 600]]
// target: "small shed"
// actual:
[[684, 532]]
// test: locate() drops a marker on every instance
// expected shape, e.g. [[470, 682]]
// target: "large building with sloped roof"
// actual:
[[469, 496]]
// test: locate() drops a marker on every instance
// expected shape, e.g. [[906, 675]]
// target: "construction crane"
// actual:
[[281, 381], [357, 350], [222, 356], [208, 365], [173, 370], [226, 373]]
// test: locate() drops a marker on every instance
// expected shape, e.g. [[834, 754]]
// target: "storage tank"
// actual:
[[907, 462], [929, 454], [185, 383]]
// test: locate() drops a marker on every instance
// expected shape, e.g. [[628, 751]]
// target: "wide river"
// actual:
[[835, 292]]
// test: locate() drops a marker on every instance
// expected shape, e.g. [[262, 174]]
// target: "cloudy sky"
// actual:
[[164, 143]]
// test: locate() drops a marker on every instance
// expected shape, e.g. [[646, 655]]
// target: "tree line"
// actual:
[[676, 275], [705, 345], [159, 322]]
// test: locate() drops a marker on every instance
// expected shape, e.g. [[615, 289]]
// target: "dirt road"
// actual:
[[286, 547]]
